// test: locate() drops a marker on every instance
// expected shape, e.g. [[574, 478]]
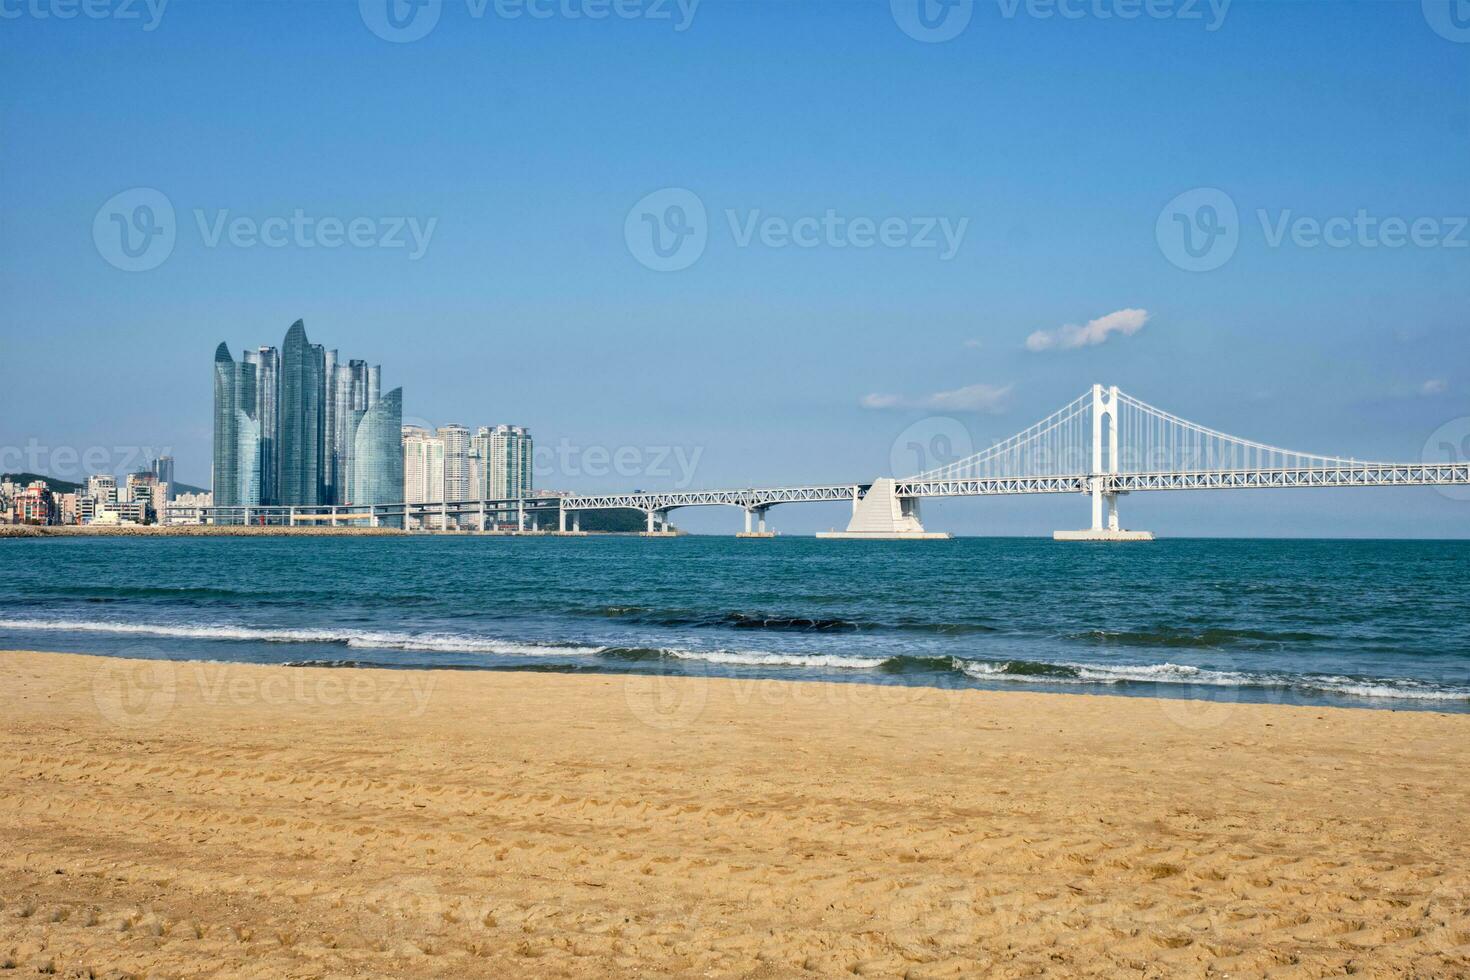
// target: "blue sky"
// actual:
[[520, 145]]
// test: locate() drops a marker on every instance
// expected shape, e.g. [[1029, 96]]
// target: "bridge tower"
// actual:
[[1102, 468]]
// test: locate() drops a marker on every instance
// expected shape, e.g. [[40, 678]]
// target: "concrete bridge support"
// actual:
[[658, 524], [883, 515], [759, 530]]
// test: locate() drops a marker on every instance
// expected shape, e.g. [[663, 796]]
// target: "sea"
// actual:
[[1366, 624]]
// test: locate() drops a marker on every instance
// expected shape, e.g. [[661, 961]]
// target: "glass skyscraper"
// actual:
[[376, 471], [236, 432], [267, 361], [285, 427], [303, 389]]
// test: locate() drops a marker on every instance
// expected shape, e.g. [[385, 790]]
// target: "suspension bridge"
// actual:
[[1103, 444]]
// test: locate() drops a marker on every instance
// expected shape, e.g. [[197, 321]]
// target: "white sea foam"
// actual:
[[1169, 673], [358, 639], [757, 658]]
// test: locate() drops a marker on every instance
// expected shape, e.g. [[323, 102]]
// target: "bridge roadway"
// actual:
[[756, 500]]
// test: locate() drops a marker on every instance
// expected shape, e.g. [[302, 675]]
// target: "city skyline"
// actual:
[[772, 360], [302, 428]]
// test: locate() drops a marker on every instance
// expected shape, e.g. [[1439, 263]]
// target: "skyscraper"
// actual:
[[456, 439], [423, 465], [267, 361], [236, 432], [163, 469], [376, 471], [285, 427], [302, 388], [348, 392], [503, 461]]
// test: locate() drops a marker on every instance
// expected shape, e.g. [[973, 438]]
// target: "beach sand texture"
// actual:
[[182, 819]]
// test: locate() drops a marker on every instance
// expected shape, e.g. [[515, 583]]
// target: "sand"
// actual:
[[178, 819]]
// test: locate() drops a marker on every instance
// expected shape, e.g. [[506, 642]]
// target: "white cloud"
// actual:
[[1433, 386], [1124, 322], [973, 344], [971, 398]]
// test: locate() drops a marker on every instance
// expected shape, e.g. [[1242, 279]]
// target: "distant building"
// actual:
[[102, 488], [67, 508], [185, 508], [505, 454], [267, 362], [285, 424], [376, 475], [236, 473], [33, 505], [163, 469], [456, 440]]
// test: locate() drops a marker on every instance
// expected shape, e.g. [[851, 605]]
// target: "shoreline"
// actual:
[[185, 817]]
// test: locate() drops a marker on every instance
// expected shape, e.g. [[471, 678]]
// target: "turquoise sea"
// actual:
[[1381, 624]]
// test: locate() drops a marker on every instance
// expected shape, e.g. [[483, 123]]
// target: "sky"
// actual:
[[755, 242]]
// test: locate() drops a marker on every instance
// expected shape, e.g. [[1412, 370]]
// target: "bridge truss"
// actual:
[[1104, 443]]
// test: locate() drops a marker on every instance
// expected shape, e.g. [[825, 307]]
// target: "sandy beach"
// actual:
[[188, 818]]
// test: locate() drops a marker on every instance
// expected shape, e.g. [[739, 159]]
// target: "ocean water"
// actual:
[[1381, 624]]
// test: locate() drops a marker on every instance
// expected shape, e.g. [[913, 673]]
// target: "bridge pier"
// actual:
[[885, 516], [759, 513], [658, 524]]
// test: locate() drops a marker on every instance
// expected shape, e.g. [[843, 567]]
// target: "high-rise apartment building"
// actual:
[[504, 456], [456, 440], [423, 465], [286, 426]]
